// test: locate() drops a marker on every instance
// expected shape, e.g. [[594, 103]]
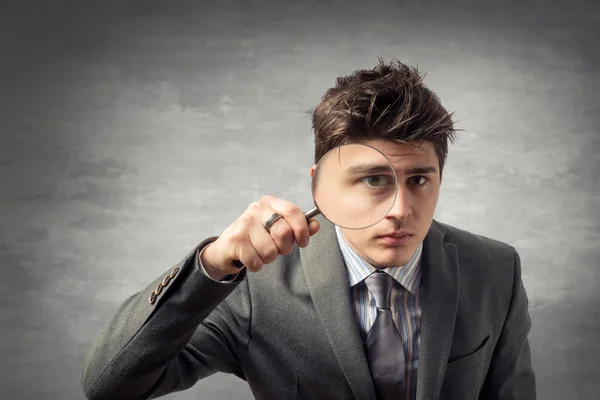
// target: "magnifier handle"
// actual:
[[310, 214]]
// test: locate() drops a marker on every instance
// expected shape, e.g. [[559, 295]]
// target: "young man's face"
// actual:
[[412, 211]]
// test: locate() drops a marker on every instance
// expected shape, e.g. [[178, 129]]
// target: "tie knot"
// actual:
[[380, 285]]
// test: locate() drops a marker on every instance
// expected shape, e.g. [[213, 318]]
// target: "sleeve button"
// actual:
[[152, 298]]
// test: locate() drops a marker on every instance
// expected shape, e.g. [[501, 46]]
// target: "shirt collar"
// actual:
[[408, 275]]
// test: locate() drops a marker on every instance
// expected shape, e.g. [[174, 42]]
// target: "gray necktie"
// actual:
[[385, 352]]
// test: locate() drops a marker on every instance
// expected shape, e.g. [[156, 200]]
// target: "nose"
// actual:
[[402, 208]]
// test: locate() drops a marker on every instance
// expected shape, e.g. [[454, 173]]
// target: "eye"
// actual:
[[419, 178], [376, 180]]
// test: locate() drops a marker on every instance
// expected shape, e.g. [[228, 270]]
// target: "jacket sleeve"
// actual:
[[511, 376], [190, 328]]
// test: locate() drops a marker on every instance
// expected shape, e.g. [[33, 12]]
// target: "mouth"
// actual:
[[400, 238], [397, 234]]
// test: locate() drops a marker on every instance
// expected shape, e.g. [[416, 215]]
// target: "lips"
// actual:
[[399, 234], [396, 239]]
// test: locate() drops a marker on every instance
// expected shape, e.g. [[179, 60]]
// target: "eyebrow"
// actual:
[[422, 170], [368, 169], [379, 168]]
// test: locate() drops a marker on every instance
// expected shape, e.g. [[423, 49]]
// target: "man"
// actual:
[[408, 308]]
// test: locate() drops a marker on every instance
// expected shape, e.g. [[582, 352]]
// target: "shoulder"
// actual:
[[481, 258], [474, 244]]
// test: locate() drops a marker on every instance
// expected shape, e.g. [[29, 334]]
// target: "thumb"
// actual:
[[313, 226]]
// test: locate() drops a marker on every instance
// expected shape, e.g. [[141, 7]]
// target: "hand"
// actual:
[[247, 240]]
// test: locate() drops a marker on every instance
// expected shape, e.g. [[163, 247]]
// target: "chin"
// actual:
[[393, 256]]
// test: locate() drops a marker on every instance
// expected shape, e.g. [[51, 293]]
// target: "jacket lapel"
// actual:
[[329, 287], [439, 299]]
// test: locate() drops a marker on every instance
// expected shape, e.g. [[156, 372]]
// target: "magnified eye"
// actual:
[[377, 180]]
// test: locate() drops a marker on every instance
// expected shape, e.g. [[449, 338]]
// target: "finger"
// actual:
[[244, 250], [264, 245], [283, 236], [292, 215], [250, 257], [313, 226], [280, 231]]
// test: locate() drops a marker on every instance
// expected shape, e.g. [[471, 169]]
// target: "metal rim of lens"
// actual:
[[355, 144]]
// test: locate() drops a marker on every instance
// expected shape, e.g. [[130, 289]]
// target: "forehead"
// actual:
[[401, 153]]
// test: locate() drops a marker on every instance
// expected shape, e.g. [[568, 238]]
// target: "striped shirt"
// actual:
[[405, 303]]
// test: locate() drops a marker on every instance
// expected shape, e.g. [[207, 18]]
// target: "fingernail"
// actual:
[[304, 242]]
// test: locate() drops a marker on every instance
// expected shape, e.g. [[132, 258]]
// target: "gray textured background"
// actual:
[[132, 132]]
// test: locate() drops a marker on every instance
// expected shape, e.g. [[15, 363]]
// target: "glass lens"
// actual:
[[354, 186]]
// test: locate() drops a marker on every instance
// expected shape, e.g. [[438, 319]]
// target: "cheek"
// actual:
[[360, 239], [358, 236], [425, 204]]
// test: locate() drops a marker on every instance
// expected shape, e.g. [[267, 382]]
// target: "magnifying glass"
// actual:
[[354, 186]]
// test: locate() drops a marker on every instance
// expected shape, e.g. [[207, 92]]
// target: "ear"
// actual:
[[312, 170]]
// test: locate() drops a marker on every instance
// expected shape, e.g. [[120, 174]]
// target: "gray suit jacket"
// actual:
[[291, 333]]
